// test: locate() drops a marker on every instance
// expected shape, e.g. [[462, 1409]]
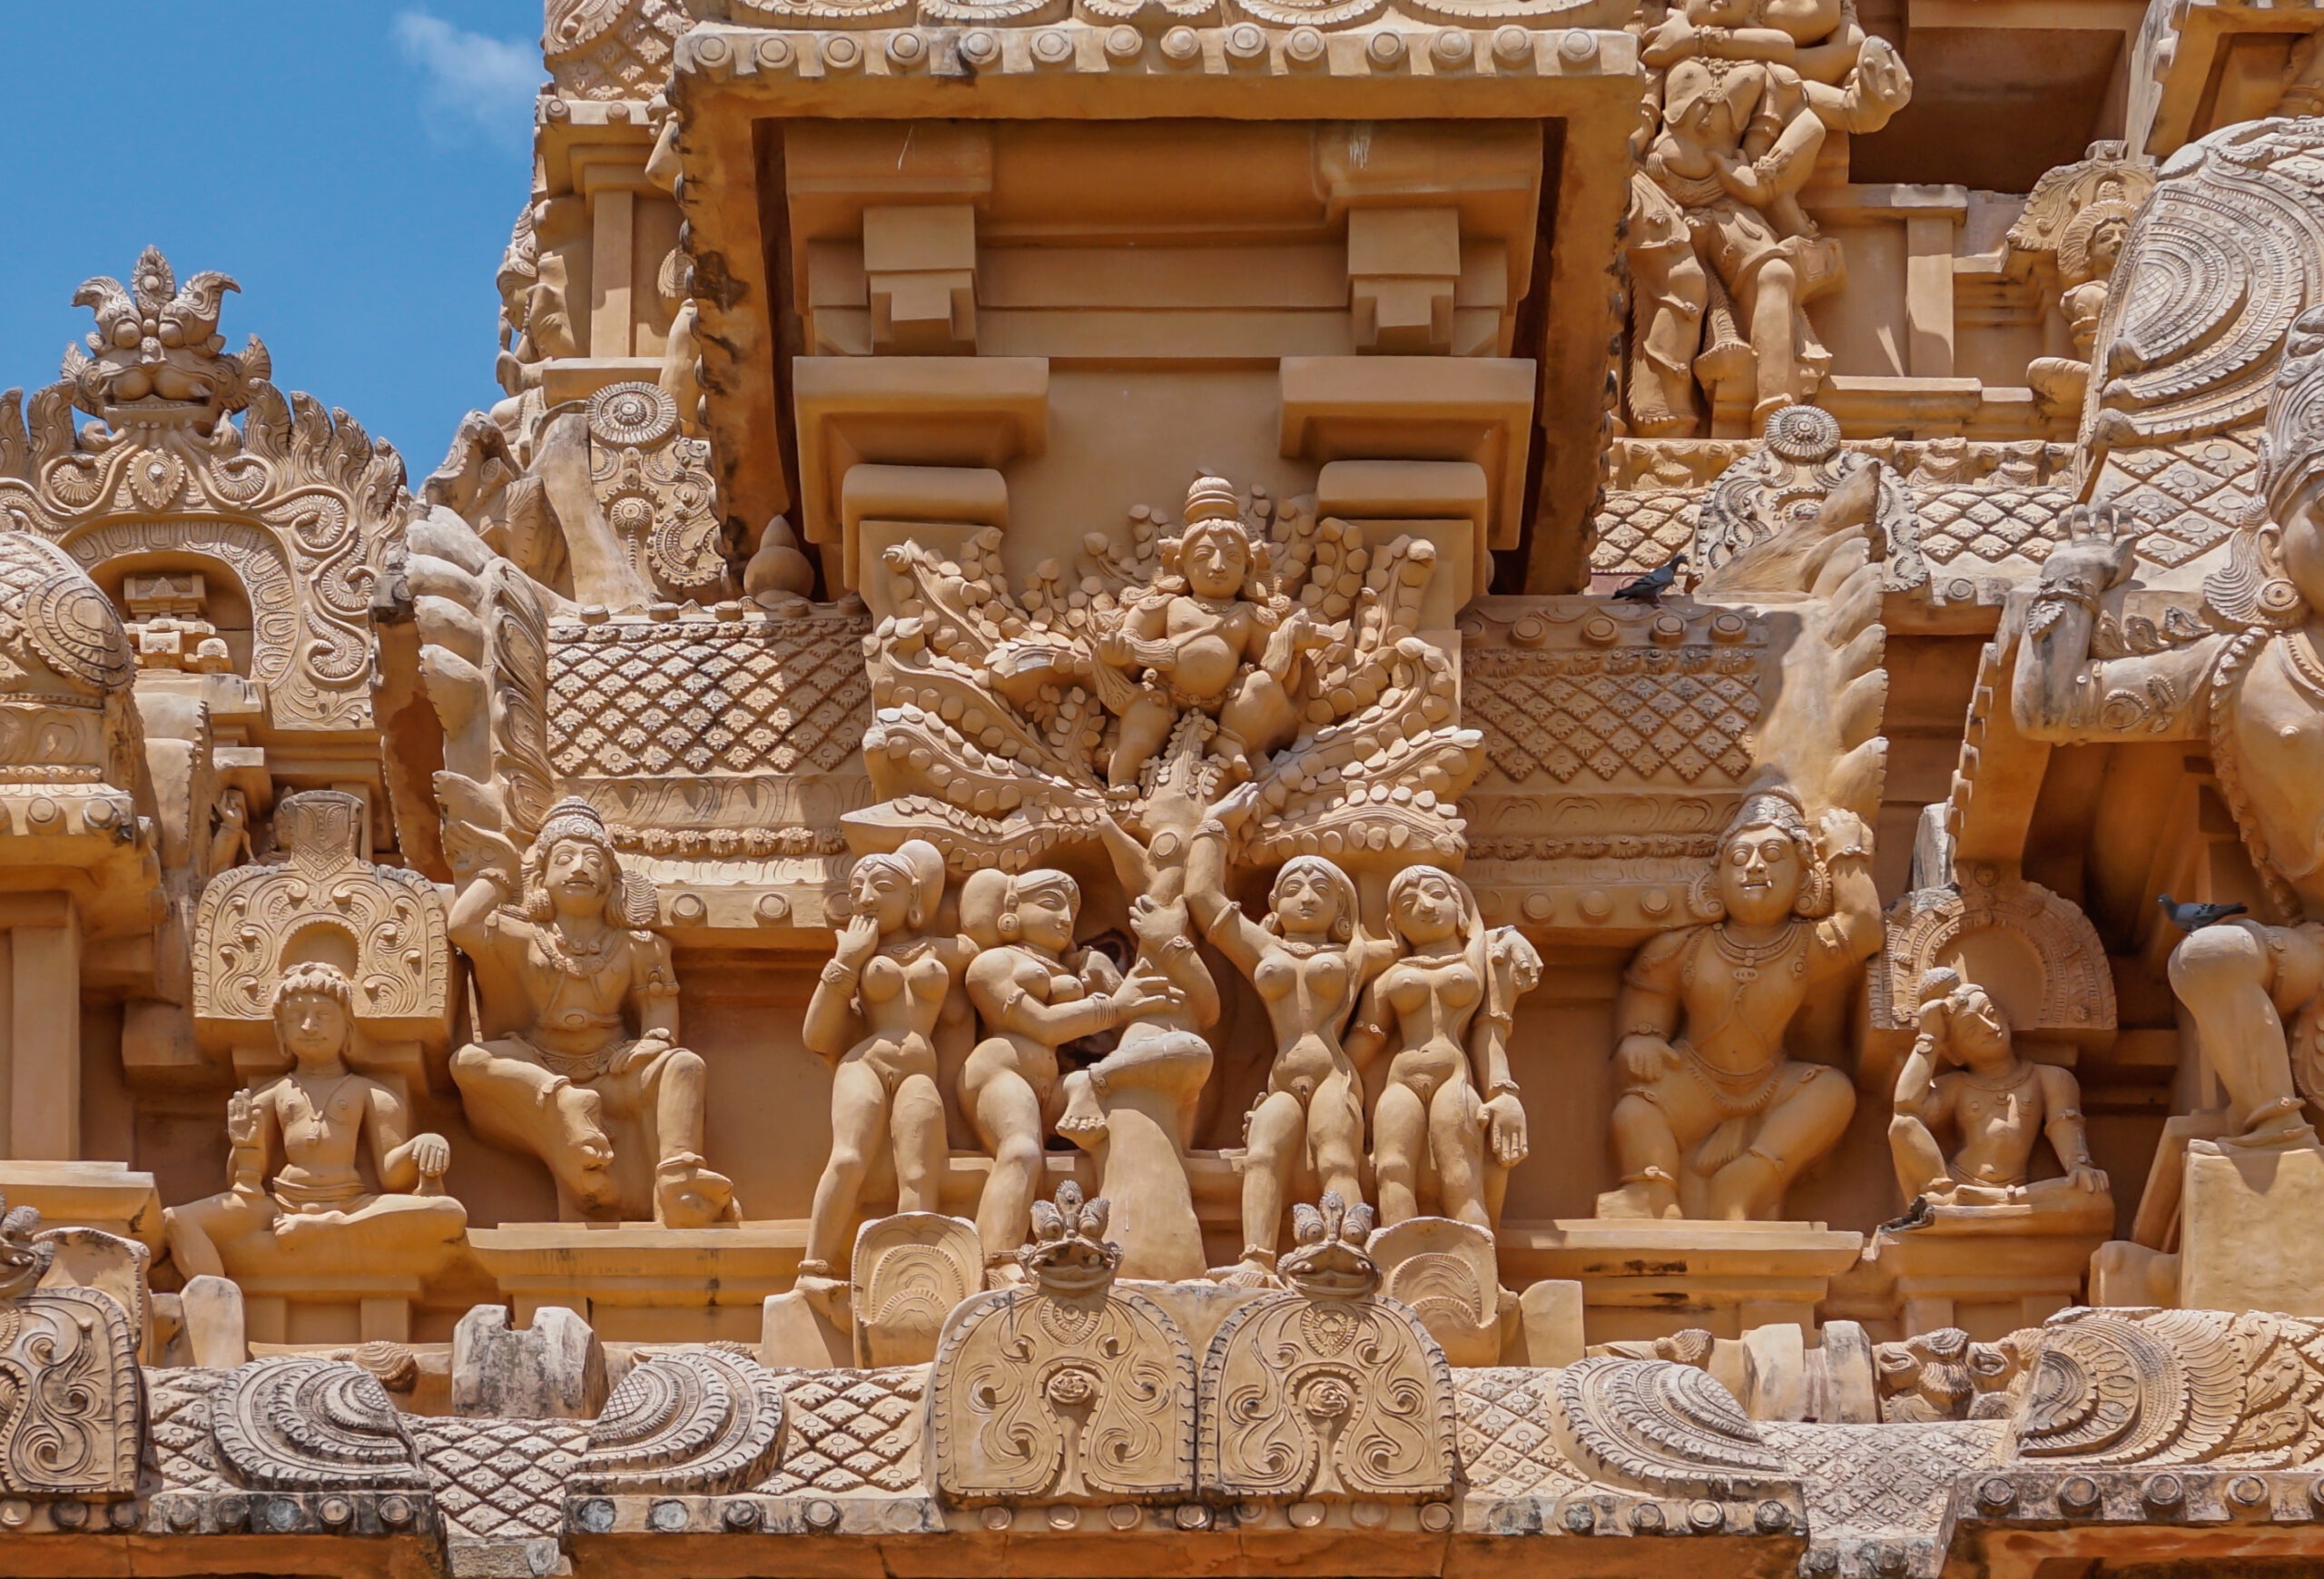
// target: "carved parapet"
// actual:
[[653, 486], [1799, 464], [1070, 1390], [74, 1429], [1328, 1391], [611, 49], [384, 926], [684, 1422]]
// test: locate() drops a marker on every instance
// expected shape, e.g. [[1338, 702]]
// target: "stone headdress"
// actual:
[[1777, 806]]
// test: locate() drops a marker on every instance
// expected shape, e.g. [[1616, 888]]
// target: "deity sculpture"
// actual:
[[874, 1014], [296, 1196], [1310, 962], [577, 1060], [1743, 94], [1034, 992], [2087, 252], [1206, 638], [2255, 692], [1715, 1118], [2000, 1104], [1448, 1002]]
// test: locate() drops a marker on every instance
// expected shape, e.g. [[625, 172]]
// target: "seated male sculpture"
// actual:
[[296, 1199], [2000, 1104], [577, 1062]]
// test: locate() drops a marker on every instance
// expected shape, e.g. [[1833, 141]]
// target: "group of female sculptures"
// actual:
[[1408, 1030]]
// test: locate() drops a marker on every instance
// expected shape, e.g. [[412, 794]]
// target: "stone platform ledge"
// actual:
[[95, 1195], [1638, 1273], [635, 1282]]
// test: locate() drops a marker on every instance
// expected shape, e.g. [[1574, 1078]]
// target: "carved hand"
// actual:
[[1156, 926], [1842, 832], [1141, 998], [859, 940], [2094, 558], [1236, 809], [1113, 647], [431, 1154], [1646, 1059], [1504, 1118], [242, 1119]]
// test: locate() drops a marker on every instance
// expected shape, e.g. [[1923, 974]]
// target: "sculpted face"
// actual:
[[1980, 1030], [1759, 874], [878, 889], [2302, 544], [579, 876], [1045, 918], [1306, 902], [312, 1026], [1216, 558], [1428, 910]]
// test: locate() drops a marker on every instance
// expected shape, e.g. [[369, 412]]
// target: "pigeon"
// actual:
[[1916, 1214], [2193, 917], [1650, 587]]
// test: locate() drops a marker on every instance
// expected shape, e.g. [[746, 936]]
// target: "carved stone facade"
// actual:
[[1274, 786]]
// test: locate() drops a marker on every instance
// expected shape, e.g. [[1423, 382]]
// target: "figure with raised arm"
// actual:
[[578, 1061], [297, 1199]]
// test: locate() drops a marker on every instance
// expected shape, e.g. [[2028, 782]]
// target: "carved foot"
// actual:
[[1255, 1270], [1083, 1123], [2276, 1126], [686, 1195], [1649, 1194], [827, 1296]]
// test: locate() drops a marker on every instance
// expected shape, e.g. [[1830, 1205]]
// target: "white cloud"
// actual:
[[475, 84]]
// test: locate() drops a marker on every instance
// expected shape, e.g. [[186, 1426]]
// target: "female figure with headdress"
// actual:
[[1034, 992], [1715, 1121], [874, 1014], [578, 1061], [1448, 1000], [1309, 962]]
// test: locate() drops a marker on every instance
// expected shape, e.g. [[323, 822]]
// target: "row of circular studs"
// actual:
[[1451, 48], [670, 1516], [2164, 1495], [1701, 1517], [280, 1514]]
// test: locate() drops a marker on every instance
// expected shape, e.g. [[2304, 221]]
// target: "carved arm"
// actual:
[[2058, 693], [403, 1164]]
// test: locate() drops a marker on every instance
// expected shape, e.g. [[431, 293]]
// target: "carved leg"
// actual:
[[1799, 1127], [1256, 719], [1920, 1161], [1647, 1151], [193, 1230], [1400, 1128], [920, 1152], [1008, 1116], [1336, 1131], [686, 1194], [859, 1113], [1672, 293], [1277, 1135], [1773, 295], [1145, 728], [1456, 1140], [513, 1101], [2226, 976]]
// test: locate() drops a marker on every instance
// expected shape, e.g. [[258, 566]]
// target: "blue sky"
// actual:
[[354, 163]]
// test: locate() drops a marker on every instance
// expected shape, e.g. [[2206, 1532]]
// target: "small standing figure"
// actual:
[[297, 1199], [1207, 638], [1310, 961], [2000, 1105], [1715, 1121], [1449, 1000], [874, 1014], [578, 1062], [1034, 992]]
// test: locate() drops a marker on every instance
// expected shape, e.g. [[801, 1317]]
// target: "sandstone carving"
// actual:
[[1067, 1389], [1799, 467], [296, 1198], [1998, 1103], [301, 1424], [693, 1421], [1326, 1389], [75, 1422], [1723, 259], [577, 1062]]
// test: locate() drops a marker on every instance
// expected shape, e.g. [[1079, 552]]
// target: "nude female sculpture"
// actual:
[[1714, 1119], [2001, 1105], [1034, 992], [1310, 962], [874, 1013], [296, 1201], [1447, 1003], [577, 1062]]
